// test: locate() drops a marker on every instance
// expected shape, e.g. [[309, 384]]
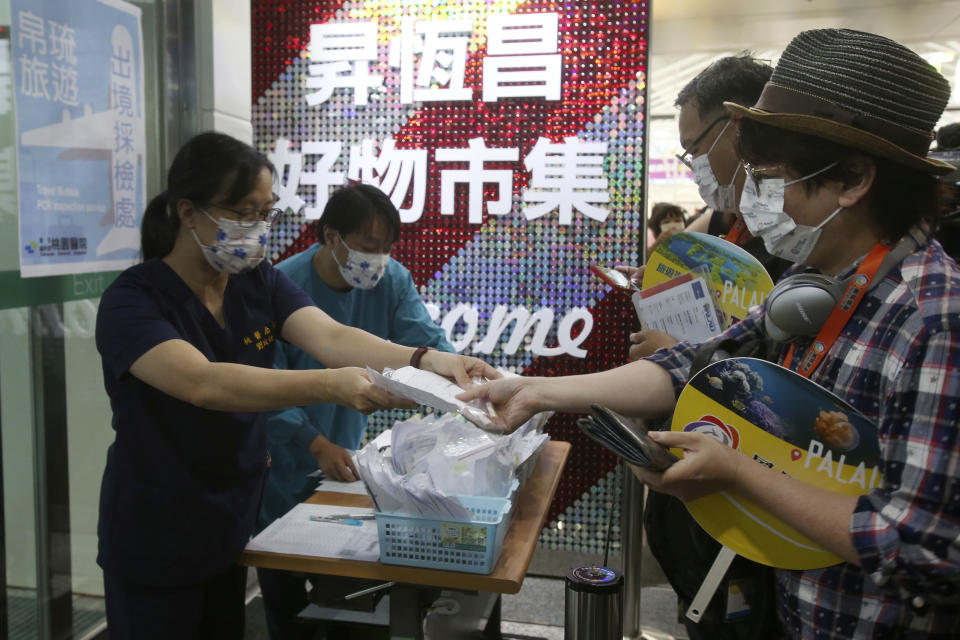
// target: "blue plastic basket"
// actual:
[[471, 545]]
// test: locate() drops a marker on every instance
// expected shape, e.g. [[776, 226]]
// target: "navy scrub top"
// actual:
[[182, 485]]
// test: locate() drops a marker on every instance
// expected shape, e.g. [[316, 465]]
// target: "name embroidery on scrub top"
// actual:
[[261, 337]]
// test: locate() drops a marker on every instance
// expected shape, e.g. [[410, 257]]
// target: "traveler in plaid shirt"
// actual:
[[837, 149]]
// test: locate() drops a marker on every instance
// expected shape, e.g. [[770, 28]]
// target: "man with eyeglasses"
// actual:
[[708, 138], [349, 274], [709, 143]]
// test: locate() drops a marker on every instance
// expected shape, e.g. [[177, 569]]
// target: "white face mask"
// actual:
[[715, 195], [672, 227], [238, 246], [762, 208], [362, 270]]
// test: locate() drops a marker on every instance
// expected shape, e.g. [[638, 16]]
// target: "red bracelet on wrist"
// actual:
[[418, 356]]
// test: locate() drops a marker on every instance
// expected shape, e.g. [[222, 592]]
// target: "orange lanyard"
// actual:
[[738, 234], [841, 312]]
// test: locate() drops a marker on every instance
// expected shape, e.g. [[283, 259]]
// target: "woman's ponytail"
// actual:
[[159, 229]]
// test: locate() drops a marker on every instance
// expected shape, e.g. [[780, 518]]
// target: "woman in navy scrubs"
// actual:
[[187, 340]]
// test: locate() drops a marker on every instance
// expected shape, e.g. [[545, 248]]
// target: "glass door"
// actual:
[[54, 413]]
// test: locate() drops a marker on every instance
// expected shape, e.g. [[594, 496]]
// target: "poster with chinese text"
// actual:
[[78, 92]]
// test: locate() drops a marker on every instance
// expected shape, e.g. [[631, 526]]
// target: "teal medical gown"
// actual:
[[392, 310]]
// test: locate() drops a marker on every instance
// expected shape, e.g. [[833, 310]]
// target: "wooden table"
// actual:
[[528, 515]]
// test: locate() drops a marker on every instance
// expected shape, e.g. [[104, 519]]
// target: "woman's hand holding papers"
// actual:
[[707, 466], [638, 389], [644, 343], [350, 387]]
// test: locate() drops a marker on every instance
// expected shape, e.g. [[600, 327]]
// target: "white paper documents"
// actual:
[[415, 495], [335, 486], [684, 309], [433, 390], [295, 533]]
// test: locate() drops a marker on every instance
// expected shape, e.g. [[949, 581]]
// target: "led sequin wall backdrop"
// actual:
[[511, 137]]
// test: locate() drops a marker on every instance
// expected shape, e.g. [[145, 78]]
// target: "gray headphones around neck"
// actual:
[[799, 305]]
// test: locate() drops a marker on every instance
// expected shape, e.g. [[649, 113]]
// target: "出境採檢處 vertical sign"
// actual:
[[80, 137]]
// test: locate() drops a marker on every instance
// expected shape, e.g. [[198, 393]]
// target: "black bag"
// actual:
[[743, 606]]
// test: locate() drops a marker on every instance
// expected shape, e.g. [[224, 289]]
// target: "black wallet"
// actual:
[[625, 438]]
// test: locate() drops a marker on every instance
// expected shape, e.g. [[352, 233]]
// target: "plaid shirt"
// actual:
[[897, 361]]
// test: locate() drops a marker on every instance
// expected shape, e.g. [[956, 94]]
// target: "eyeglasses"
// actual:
[[757, 173], [249, 219], [693, 145]]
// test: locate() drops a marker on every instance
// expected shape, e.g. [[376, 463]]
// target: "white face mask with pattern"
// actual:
[[238, 246], [761, 206], [362, 270]]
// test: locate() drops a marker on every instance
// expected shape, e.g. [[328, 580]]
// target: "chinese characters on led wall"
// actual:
[[510, 135]]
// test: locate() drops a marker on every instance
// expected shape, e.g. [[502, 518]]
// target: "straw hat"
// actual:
[[857, 89]]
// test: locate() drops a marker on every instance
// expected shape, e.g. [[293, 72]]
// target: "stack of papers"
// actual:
[[309, 530], [335, 486], [432, 460], [414, 495]]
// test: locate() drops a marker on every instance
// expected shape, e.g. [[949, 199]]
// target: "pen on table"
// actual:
[[343, 518]]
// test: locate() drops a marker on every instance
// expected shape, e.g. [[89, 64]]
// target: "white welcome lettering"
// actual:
[[540, 322]]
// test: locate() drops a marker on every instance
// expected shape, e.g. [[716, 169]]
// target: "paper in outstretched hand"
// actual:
[[433, 390], [626, 439]]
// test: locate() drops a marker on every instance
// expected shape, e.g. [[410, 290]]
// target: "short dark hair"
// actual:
[[209, 164], [899, 197], [663, 209], [354, 207], [948, 137], [738, 78]]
